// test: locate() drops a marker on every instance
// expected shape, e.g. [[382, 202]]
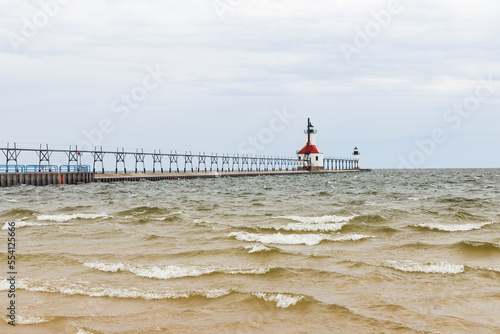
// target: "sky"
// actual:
[[412, 84]]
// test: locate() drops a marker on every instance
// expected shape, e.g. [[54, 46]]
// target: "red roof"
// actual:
[[309, 149]]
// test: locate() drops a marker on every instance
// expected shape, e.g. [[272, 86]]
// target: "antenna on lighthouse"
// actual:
[[309, 130]]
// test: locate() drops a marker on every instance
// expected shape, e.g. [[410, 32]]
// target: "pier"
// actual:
[[207, 175], [153, 165]]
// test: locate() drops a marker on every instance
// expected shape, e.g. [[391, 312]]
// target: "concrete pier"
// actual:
[[43, 179], [181, 176]]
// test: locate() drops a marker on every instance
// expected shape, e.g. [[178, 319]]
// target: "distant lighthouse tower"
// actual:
[[310, 157], [356, 158]]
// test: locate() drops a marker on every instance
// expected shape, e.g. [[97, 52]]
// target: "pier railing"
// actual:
[[156, 160], [12, 169], [19, 169], [74, 169]]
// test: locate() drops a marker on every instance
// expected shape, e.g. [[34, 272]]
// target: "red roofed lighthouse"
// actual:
[[310, 157]]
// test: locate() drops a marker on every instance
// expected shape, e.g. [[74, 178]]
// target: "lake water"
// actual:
[[380, 252]]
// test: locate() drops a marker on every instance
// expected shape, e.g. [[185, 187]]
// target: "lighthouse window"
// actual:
[[300, 158], [317, 158]]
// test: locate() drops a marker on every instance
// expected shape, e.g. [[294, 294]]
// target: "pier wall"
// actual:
[[43, 179], [208, 175]]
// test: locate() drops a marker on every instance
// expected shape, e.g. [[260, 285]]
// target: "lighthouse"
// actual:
[[356, 158], [310, 157]]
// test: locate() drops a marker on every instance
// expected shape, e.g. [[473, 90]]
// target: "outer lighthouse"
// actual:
[[310, 157], [356, 158]]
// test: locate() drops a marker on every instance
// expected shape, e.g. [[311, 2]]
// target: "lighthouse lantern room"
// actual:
[[310, 157]]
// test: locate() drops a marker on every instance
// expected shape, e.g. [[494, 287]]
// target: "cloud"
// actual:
[[263, 55]]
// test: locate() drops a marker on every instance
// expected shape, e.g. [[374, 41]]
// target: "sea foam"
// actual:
[[172, 271], [4, 285], [307, 227], [27, 320], [28, 224], [282, 300], [436, 268], [11, 200], [257, 248], [318, 220], [83, 331], [454, 227], [65, 217], [311, 224], [66, 288], [295, 239]]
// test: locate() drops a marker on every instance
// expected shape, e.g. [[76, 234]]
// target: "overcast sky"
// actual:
[[411, 83]]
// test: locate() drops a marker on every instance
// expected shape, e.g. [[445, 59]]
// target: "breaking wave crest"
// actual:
[[83, 288], [295, 239], [310, 224], [477, 246], [453, 227], [65, 217], [435, 268], [283, 300], [18, 213], [171, 271], [306, 227], [318, 220], [27, 320], [145, 210], [257, 248]]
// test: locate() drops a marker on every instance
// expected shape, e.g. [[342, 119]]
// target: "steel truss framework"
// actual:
[[204, 162]]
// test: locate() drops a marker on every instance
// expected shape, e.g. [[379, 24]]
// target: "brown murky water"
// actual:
[[380, 252]]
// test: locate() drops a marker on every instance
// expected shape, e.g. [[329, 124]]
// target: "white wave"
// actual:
[[436, 268], [22, 320], [166, 272], [65, 217], [216, 293], [27, 224], [4, 285], [307, 227], [281, 299], [171, 271], [250, 271], [11, 200], [83, 331], [319, 220], [454, 227], [257, 248], [295, 239], [166, 217], [109, 267], [201, 221], [65, 288], [491, 269]]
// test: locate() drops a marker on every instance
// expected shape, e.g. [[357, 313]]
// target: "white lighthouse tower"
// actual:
[[356, 158], [310, 157]]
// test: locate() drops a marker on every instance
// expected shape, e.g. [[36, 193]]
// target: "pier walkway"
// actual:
[[181, 176]]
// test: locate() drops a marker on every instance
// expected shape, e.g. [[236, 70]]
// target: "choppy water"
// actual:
[[384, 252]]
